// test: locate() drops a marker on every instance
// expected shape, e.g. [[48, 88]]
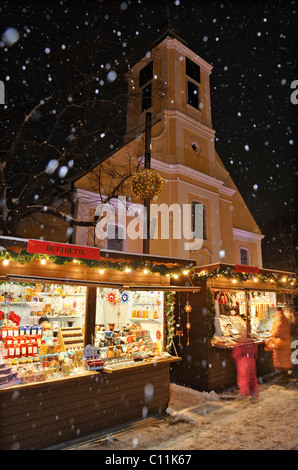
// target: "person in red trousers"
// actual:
[[245, 354]]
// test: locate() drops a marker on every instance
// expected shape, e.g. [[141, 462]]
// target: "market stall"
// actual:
[[84, 341], [234, 301]]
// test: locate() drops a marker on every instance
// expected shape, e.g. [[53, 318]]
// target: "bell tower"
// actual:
[[172, 83]]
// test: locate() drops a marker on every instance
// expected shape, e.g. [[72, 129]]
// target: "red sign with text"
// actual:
[[240, 268], [62, 249]]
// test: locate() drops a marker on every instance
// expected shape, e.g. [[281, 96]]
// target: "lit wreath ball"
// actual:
[[147, 184]]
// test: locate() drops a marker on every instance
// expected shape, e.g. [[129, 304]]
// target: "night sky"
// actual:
[[252, 46]]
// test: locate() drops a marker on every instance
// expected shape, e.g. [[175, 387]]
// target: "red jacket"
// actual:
[[245, 353]]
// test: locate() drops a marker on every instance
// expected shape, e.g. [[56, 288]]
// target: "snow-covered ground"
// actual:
[[210, 421]]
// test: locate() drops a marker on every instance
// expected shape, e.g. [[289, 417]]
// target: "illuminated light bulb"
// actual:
[[175, 276], [255, 279], [43, 261], [146, 271], [74, 260], [234, 281], [127, 270], [6, 262], [101, 271], [185, 272], [271, 280], [284, 279]]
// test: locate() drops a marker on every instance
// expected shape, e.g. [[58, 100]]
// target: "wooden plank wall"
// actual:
[[50, 413], [222, 367], [192, 371]]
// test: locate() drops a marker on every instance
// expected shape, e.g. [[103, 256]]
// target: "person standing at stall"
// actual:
[[245, 354], [281, 354]]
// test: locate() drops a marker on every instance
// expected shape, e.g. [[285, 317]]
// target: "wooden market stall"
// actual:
[[101, 358], [233, 300]]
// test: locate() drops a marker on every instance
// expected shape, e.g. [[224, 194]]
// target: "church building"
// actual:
[[172, 83]]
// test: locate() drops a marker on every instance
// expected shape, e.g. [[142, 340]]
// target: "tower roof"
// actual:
[[168, 28]]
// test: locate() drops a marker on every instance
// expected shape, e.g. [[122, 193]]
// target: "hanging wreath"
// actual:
[[111, 298], [124, 297], [147, 184]]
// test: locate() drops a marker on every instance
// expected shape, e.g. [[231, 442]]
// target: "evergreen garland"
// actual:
[[230, 273], [170, 319], [162, 269], [211, 314]]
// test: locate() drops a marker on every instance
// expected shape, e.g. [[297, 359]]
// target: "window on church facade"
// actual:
[[244, 256], [193, 220], [145, 85], [193, 83], [115, 238]]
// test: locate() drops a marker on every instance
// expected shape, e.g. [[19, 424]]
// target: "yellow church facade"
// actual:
[[172, 83]]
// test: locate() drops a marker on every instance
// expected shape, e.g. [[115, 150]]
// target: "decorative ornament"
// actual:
[[118, 315], [111, 298], [124, 297], [188, 309], [14, 318], [158, 335], [179, 331], [147, 184]]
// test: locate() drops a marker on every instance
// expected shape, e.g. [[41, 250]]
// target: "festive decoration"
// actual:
[[111, 298], [188, 309], [170, 319], [179, 331], [147, 184], [158, 335], [289, 282], [211, 314], [14, 318], [124, 297], [154, 268]]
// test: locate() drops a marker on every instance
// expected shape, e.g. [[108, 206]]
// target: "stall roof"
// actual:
[[252, 271], [18, 244], [82, 282], [209, 267]]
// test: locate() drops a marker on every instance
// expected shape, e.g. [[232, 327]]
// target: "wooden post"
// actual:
[[146, 241], [90, 315], [247, 307]]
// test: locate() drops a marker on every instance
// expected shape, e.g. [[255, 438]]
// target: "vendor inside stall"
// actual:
[[242, 312]]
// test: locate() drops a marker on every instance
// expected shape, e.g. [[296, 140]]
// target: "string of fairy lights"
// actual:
[[174, 272], [147, 184]]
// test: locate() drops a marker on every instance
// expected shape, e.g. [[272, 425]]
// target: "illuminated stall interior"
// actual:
[[242, 312], [42, 328]]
